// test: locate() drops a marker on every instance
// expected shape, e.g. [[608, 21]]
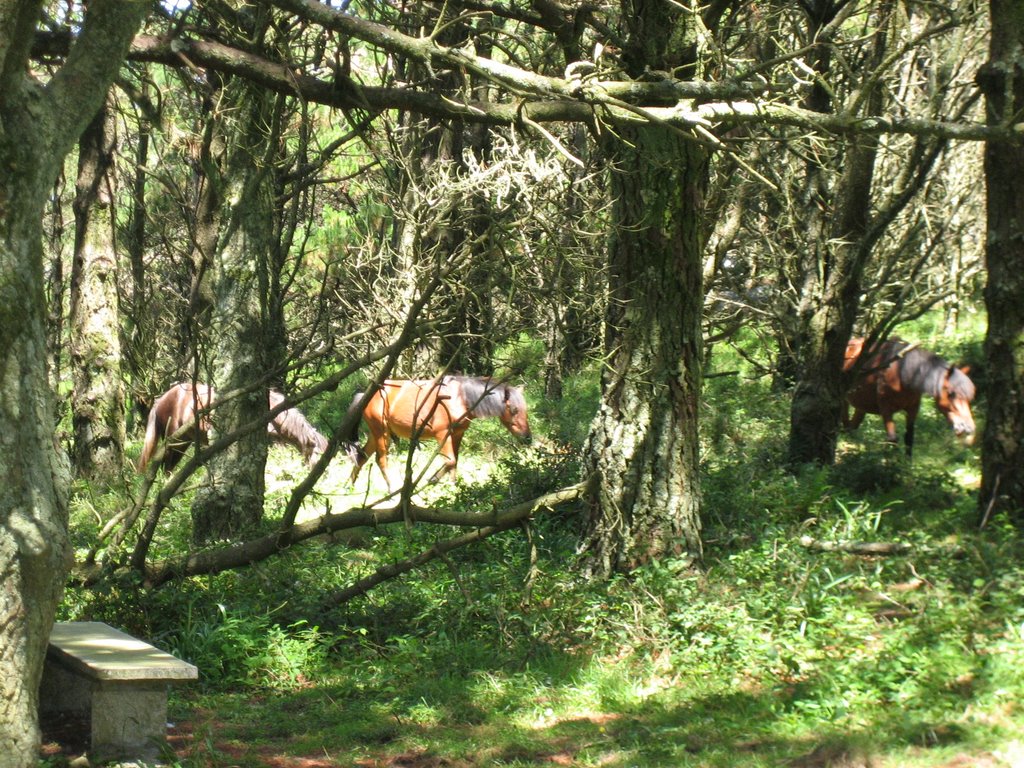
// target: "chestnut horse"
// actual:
[[894, 376], [441, 409], [178, 407]]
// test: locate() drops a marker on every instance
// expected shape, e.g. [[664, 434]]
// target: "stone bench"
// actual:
[[118, 682]]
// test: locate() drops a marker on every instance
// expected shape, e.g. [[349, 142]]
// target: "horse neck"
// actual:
[[923, 371], [482, 398], [296, 427]]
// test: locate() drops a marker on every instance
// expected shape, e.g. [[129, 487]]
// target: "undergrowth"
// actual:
[[771, 652]]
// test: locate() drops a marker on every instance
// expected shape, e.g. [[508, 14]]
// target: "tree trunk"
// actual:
[[817, 405], [812, 195], [38, 127], [830, 293], [34, 547], [97, 397], [230, 502], [1002, 453], [642, 446], [139, 326]]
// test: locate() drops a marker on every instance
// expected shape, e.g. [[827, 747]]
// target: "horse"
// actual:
[[893, 375], [180, 405], [441, 409]]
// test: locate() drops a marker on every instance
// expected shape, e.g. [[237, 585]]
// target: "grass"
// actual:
[[770, 654]]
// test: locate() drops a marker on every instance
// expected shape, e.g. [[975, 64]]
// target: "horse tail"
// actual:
[[350, 443], [152, 437], [353, 433]]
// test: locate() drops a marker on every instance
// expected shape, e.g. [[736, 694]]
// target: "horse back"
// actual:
[[414, 406], [878, 387], [171, 411]]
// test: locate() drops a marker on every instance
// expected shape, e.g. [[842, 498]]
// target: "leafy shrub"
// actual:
[[247, 649]]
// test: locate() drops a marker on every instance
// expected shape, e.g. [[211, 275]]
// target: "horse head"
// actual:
[[513, 415], [954, 402]]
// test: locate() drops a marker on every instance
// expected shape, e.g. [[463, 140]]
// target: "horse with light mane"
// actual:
[[441, 409]]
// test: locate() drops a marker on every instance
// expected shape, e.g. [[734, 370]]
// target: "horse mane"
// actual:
[[292, 427], [927, 372], [485, 397], [961, 384]]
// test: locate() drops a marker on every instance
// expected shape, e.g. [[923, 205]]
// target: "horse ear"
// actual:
[[965, 369]]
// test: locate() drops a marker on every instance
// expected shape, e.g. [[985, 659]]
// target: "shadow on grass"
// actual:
[[459, 724]]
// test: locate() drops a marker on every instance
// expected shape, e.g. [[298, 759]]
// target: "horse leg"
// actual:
[[380, 447], [448, 449], [908, 438], [456, 442], [890, 427], [852, 422]]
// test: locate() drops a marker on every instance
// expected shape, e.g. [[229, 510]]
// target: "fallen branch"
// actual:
[[865, 548], [244, 553], [391, 570]]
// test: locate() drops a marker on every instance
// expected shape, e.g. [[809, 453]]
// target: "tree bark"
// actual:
[[642, 445], [97, 397], [1002, 453], [642, 448], [38, 127], [830, 291], [818, 398], [230, 502]]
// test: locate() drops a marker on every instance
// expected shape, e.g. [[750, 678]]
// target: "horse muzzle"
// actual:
[[964, 432]]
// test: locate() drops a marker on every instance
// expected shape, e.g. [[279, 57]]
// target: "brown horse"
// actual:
[[179, 406], [894, 375], [441, 409]]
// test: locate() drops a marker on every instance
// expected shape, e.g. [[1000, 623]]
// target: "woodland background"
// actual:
[[665, 220]]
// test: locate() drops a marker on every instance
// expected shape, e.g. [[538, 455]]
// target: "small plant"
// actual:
[[247, 649]]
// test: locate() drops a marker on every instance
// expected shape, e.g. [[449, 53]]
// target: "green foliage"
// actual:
[[500, 654], [246, 648]]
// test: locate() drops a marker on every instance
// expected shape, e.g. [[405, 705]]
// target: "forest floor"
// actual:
[[771, 653], [200, 738]]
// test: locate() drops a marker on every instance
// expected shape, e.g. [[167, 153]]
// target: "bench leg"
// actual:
[[129, 720]]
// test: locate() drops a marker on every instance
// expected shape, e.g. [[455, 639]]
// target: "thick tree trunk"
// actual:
[[97, 398], [643, 446], [1002, 81], [642, 451], [38, 127], [34, 547], [230, 502], [817, 405]]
